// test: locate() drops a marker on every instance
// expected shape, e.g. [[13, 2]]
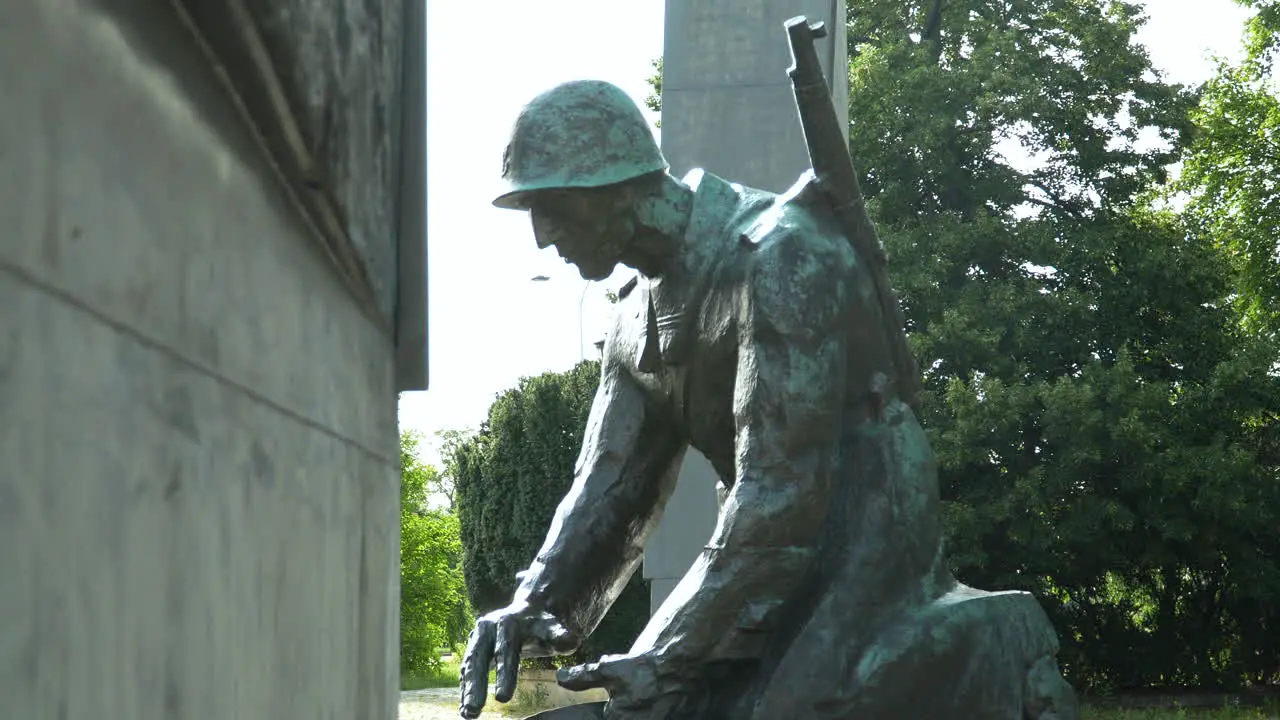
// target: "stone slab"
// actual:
[[132, 186], [584, 711], [198, 499], [322, 82], [171, 549]]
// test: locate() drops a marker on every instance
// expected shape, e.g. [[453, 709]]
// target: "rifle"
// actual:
[[824, 135]]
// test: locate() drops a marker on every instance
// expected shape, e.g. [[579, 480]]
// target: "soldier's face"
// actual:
[[588, 228]]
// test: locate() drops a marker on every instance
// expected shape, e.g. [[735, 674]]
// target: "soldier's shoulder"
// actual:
[[803, 272], [798, 228]]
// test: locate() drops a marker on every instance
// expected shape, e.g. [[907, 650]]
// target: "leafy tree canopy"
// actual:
[[433, 608]]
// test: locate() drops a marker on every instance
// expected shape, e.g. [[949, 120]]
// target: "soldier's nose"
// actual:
[[543, 230]]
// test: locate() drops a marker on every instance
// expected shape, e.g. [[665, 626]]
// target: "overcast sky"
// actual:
[[489, 323]]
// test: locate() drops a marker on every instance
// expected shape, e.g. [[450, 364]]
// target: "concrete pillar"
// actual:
[[198, 443], [726, 98], [727, 107]]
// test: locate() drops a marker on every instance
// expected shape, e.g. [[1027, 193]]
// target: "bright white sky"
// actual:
[[490, 324]]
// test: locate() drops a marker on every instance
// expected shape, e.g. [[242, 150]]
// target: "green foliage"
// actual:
[[1105, 433], [509, 479], [447, 675], [1232, 169], [530, 699], [936, 85], [653, 100], [433, 608]]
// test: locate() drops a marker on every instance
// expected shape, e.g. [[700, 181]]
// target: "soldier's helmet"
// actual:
[[581, 134]]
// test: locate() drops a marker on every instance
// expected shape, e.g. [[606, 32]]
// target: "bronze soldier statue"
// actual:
[[753, 333]]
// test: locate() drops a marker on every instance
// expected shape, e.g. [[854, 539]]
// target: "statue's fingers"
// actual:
[[507, 648], [580, 677], [475, 669], [554, 636]]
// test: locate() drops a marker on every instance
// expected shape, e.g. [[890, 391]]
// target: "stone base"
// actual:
[[584, 711], [542, 685], [969, 654]]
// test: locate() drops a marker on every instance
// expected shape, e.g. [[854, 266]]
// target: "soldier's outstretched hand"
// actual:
[[499, 639], [637, 691]]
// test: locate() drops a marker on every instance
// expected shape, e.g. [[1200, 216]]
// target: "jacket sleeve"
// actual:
[[626, 471]]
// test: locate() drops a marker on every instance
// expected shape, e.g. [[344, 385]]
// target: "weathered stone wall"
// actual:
[[198, 446], [339, 61]]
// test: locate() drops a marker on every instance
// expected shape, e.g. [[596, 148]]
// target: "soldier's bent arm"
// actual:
[[788, 406], [624, 475]]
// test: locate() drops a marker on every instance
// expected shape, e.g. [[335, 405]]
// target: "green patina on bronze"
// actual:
[[762, 332], [581, 134]]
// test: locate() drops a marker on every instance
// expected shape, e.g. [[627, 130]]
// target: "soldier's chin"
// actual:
[[594, 272]]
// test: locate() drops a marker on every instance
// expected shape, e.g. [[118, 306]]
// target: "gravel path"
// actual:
[[436, 704]]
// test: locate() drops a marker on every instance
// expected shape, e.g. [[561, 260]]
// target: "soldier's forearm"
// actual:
[[624, 475], [596, 540], [726, 607], [552, 586]]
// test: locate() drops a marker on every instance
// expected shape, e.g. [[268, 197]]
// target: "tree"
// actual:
[[510, 477], [1089, 397], [1229, 176], [1232, 168], [653, 100], [433, 609], [445, 485]]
